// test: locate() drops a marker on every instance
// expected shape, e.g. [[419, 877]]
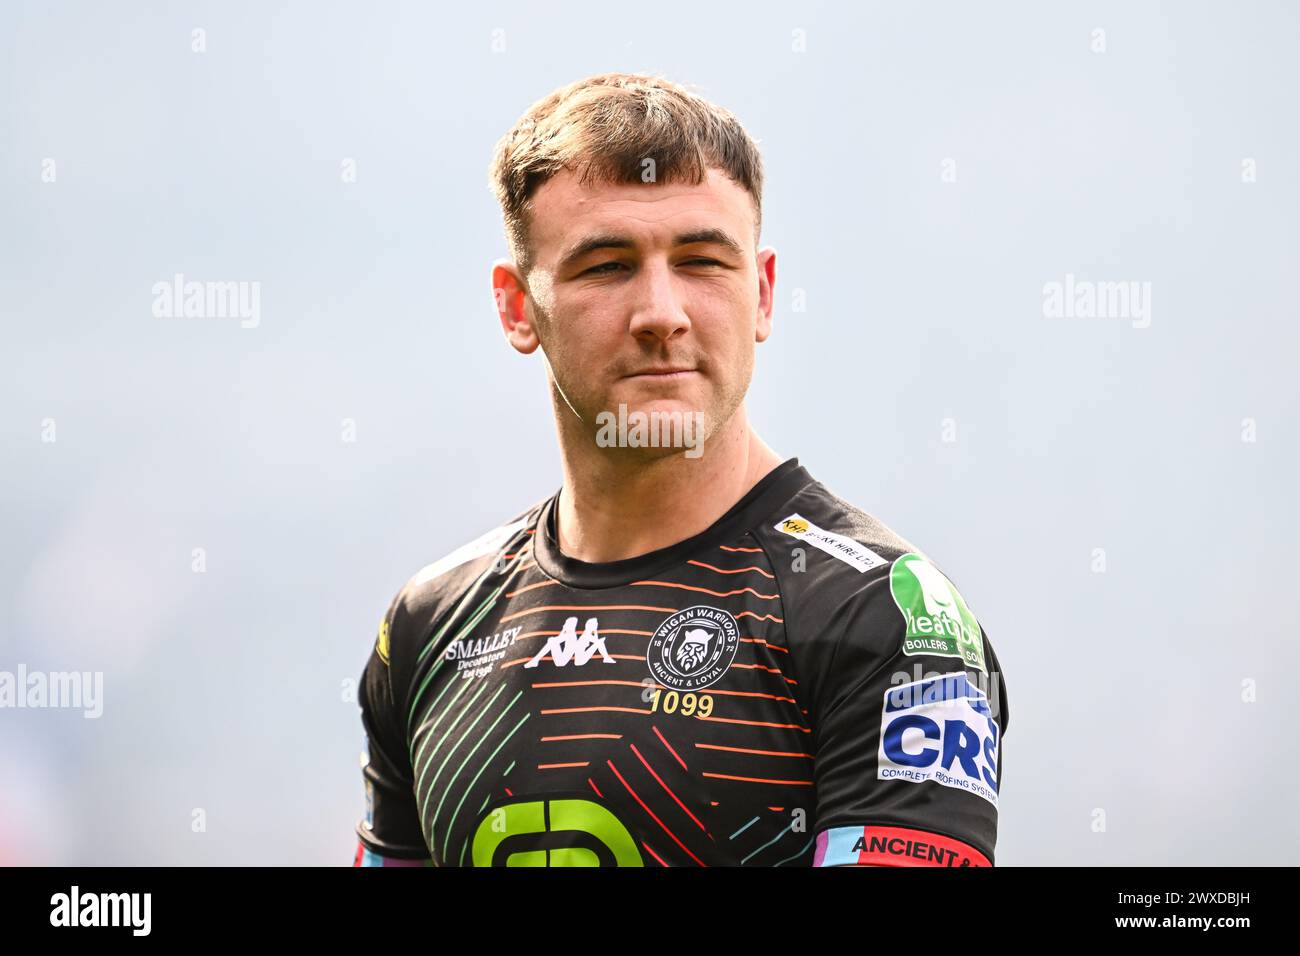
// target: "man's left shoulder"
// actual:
[[825, 542], [836, 561], [859, 600]]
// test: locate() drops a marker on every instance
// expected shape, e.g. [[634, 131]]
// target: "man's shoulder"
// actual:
[[436, 587], [826, 541], [835, 561], [855, 593]]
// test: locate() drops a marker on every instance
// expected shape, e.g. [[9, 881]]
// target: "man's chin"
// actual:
[[653, 428], [640, 395], [644, 458]]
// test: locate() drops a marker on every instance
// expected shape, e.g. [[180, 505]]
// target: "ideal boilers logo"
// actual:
[[940, 730], [938, 621]]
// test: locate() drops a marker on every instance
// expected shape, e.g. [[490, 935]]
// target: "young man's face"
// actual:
[[646, 295]]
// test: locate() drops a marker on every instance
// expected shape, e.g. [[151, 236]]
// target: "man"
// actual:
[[693, 654]]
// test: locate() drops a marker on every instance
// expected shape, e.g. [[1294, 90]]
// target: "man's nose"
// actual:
[[658, 310]]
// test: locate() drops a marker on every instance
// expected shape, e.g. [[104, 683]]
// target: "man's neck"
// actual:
[[615, 506]]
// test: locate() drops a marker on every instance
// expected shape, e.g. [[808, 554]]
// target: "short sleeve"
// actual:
[[391, 828], [910, 715]]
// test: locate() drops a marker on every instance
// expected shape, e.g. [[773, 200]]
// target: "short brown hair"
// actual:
[[603, 128]]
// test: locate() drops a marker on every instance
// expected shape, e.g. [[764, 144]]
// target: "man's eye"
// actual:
[[605, 268]]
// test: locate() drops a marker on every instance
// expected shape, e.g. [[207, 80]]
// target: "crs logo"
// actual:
[[942, 731]]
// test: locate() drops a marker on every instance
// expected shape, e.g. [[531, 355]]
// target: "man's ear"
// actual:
[[510, 293], [766, 261]]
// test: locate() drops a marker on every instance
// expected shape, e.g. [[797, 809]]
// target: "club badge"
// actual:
[[693, 648]]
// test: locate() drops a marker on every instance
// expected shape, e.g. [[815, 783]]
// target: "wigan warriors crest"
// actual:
[[693, 648]]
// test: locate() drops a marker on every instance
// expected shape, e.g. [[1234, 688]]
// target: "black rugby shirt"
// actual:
[[794, 686]]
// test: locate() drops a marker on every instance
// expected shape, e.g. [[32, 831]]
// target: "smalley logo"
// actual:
[[478, 657], [568, 645]]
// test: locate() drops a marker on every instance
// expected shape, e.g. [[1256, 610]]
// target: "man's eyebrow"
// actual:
[[611, 240]]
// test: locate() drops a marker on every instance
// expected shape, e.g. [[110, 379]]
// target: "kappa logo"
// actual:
[[568, 645], [693, 649]]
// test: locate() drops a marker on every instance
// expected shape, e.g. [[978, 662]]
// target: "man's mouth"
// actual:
[[664, 374]]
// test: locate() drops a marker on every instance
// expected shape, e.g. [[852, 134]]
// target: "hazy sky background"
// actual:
[[225, 690]]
